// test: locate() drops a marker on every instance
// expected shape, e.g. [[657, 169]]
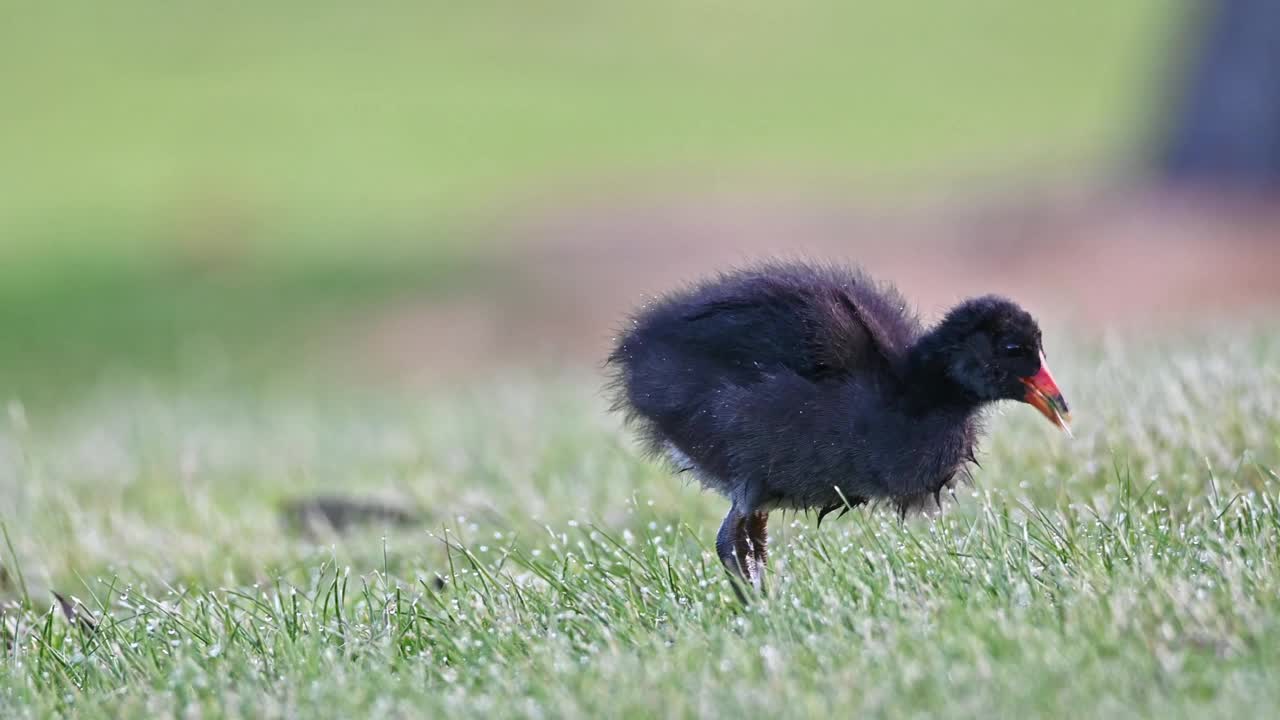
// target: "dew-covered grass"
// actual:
[[1131, 571]]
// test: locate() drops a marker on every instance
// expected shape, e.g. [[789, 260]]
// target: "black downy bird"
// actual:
[[810, 386]]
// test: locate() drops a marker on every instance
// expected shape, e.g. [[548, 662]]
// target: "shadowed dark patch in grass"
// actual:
[[314, 516]]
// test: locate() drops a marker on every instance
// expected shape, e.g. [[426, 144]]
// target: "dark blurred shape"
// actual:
[[1226, 127], [319, 515]]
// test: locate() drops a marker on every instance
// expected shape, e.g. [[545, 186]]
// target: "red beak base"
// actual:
[[1043, 394]]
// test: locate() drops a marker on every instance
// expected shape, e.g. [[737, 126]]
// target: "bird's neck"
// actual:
[[927, 379]]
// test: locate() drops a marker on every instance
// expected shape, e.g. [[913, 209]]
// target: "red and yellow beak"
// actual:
[[1044, 395]]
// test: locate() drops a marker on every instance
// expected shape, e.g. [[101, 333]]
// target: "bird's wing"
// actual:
[[850, 335], [816, 332]]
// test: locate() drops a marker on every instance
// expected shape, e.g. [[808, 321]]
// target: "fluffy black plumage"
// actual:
[[793, 385]]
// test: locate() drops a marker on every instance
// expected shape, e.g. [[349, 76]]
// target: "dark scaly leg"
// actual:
[[733, 547], [727, 540], [758, 533]]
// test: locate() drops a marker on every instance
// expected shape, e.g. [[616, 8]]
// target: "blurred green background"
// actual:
[[250, 174], [260, 259]]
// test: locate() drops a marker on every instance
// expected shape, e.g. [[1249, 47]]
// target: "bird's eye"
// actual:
[[1013, 349]]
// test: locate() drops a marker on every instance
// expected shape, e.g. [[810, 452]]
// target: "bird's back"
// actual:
[[818, 323]]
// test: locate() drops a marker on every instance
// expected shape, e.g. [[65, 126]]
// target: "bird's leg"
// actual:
[[725, 540], [758, 533], [733, 547]]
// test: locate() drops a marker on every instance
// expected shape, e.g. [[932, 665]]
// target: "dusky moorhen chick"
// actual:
[[798, 386]]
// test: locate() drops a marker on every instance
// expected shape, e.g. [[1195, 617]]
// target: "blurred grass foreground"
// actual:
[[301, 307]]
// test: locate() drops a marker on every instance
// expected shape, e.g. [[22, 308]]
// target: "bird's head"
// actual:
[[991, 349]]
